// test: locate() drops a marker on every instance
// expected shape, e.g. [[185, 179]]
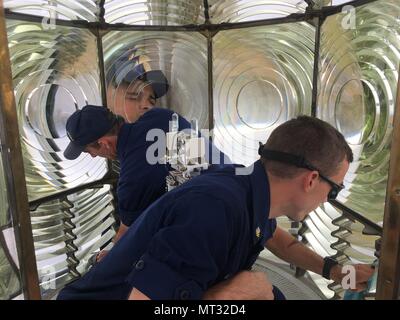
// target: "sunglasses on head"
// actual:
[[299, 162]]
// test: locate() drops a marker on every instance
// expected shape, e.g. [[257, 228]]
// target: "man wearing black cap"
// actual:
[[132, 90], [99, 132]]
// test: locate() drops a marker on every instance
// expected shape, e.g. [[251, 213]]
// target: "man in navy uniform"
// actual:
[[132, 93], [97, 131], [199, 240]]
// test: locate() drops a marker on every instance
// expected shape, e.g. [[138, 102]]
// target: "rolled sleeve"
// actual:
[[128, 217], [165, 283]]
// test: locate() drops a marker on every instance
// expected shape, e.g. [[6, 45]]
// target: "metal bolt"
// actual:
[[397, 191]]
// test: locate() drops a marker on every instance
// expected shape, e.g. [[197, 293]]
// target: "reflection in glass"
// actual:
[[262, 77], [54, 74], [182, 57], [154, 12], [252, 10], [56, 9]]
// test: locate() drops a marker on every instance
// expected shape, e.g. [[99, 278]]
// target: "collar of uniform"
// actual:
[[260, 200], [122, 140]]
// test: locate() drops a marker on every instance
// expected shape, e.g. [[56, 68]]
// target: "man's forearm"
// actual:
[[303, 257], [289, 249]]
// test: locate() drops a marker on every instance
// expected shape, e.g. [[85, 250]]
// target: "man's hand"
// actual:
[[246, 285], [363, 273], [101, 255]]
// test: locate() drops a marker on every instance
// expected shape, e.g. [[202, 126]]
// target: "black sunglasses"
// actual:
[[299, 162]]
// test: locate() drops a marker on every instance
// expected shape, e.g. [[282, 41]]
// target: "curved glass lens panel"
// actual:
[[154, 12], [67, 233], [262, 77], [181, 57], [54, 74], [359, 64], [56, 9], [252, 10]]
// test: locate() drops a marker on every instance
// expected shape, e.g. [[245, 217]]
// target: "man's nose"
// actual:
[[142, 102]]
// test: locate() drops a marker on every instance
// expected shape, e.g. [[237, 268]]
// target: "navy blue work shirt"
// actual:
[[141, 183], [193, 237]]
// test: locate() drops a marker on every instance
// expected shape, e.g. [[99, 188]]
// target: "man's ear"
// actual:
[[310, 181], [105, 141]]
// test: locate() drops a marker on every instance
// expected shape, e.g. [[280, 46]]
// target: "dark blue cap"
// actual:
[[85, 126], [128, 69]]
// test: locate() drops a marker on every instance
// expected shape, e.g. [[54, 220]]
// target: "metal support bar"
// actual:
[[206, 12], [319, 23], [389, 264], [108, 179], [349, 213], [296, 17], [14, 171], [103, 87], [210, 82], [102, 11], [38, 19]]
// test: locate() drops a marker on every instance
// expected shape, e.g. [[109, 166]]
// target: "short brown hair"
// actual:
[[315, 140], [114, 131], [119, 121]]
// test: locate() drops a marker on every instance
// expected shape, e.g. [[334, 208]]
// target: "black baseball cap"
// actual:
[[85, 126], [128, 69]]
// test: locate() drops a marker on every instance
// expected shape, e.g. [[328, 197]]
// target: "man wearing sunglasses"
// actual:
[[200, 240]]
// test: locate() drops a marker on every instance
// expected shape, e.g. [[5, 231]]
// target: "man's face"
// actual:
[[132, 101], [98, 149], [311, 200]]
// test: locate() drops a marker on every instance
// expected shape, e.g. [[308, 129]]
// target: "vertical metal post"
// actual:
[[206, 13], [99, 39], [210, 81], [14, 171], [389, 264], [99, 33], [209, 35], [320, 21]]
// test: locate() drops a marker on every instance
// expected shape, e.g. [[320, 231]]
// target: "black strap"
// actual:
[[288, 158], [329, 263]]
